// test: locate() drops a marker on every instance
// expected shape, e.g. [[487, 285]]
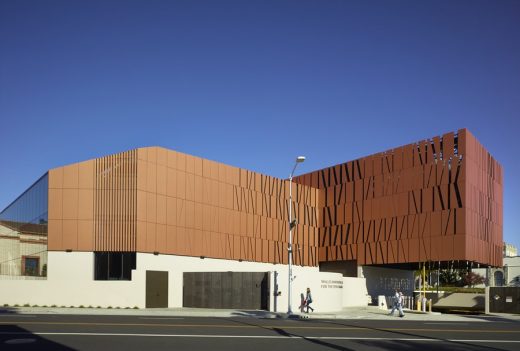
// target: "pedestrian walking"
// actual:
[[398, 300], [395, 297], [308, 300], [302, 302]]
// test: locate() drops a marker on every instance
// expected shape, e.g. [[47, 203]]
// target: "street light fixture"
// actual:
[[292, 224]]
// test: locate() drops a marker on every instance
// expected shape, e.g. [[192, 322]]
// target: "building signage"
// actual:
[[331, 284]]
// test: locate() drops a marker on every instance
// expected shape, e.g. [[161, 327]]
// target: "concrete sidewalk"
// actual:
[[369, 312]]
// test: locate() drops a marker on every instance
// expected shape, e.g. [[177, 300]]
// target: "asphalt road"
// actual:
[[71, 332]]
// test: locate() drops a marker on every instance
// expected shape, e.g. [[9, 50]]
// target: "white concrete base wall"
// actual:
[[325, 298], [70, 282], [355, 292]]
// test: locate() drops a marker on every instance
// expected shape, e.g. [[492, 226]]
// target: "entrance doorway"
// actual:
[[156, 289]]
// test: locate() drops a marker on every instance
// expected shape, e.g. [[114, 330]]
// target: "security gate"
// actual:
[[504, 299], [237, 290], [156, 289]]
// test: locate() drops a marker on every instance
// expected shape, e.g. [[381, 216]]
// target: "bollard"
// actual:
[[418, 304], [381, 302], [424, 304], [430, 305]]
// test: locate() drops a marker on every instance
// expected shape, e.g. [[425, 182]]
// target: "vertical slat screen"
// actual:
[[115, 197]]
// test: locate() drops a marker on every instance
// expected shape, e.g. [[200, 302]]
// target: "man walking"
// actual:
[[398, 303]]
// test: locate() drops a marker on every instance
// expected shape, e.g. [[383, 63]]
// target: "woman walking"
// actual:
[[308, 300]]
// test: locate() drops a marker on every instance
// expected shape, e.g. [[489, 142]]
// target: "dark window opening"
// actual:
[[31, 266], [114, 265]]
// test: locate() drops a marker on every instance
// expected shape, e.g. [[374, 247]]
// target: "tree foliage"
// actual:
[[471, 279], [451, 277]]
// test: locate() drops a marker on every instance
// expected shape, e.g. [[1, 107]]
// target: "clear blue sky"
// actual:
[[255, 83]]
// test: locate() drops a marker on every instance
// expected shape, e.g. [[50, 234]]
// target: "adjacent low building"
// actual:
[[510, 250], [153, 227], [506, 275]]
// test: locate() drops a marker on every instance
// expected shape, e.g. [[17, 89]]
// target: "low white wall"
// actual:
[[326, 288], [70, 282], [326, 298], [355, 292]]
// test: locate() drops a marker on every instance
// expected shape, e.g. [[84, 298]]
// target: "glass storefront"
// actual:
[[23, 233]]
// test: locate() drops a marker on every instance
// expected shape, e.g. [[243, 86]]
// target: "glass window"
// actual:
[[31, 266], [23, 232], [114, 265]]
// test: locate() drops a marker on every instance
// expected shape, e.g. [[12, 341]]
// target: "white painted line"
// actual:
[[490, 341], [18, 315], [280, 337], [159, 318], [445, 323]]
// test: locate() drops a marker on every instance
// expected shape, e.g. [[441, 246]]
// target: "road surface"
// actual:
[[87, 332]]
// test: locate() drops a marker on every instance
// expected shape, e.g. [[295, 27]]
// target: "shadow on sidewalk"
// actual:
[[403, 344], [15, 338], [256, 314], [8, 310]]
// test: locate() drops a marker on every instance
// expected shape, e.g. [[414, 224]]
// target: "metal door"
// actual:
[[156, 289]]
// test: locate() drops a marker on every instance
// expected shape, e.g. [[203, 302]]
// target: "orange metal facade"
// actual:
[[435, 200], [160, 201]]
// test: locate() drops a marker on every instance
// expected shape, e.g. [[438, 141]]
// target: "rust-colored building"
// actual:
[[152, 210], [156, 200], [436, 200]]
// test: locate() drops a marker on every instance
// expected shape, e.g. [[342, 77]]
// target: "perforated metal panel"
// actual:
[[504, 299], [238, 290]]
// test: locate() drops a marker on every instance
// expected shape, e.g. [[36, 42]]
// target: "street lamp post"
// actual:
[[292, 223]]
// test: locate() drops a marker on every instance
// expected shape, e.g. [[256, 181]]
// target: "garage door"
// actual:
[[236, 290]]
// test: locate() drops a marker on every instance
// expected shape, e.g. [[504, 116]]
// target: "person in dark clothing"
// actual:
[[308, 300], [302, 303], [395, 298]]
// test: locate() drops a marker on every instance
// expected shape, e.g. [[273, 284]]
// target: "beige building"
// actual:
[[510, 250], [23, 251]]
